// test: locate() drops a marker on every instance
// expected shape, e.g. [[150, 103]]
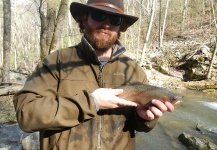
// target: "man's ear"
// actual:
[[84, 18], [81, 18]]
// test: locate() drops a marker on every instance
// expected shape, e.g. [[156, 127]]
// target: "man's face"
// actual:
[[101, 35]]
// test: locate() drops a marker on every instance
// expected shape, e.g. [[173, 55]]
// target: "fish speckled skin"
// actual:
[[143, 94]]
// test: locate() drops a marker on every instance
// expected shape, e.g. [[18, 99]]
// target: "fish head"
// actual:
[[171, 97]]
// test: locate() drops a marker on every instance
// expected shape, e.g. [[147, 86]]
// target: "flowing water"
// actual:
[[11, 136], [195, 108]]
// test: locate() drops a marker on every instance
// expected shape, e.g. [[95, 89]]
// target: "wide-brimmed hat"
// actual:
[[109, 6]]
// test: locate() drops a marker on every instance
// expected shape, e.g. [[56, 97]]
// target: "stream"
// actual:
[[195, 108]]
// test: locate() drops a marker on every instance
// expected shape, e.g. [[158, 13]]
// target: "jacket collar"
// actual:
[[88, 52]]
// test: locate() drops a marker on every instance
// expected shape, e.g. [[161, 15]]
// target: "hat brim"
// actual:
[[77, 10]]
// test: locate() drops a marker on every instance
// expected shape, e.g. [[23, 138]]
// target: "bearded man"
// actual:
[[70, 97]]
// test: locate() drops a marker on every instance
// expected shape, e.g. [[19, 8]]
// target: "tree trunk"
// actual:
[[213, 13], [184, 12], [51, 25], [148, 32], [160, 12], [212, 61], [203, 7], [125, 33], [69, 28], [139, 30], [6, 40], [163, 27], [148, 6], [60, 21]]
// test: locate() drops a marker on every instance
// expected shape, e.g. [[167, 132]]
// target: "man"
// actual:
[[69, 97]]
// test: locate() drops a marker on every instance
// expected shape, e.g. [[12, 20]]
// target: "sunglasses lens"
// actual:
[[101, 16], [98, 16], [116, 20]]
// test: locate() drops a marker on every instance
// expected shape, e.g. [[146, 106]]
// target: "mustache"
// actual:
[[102, 30]]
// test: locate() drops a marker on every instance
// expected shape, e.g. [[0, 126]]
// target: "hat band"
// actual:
[[107, 5]]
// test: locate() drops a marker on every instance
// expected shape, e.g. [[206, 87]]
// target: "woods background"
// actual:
[[174, 41], [36, 27]]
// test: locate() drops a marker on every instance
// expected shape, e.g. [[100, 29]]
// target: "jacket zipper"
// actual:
[[100, 82]]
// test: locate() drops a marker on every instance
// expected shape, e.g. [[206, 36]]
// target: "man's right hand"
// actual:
[[107, 98]]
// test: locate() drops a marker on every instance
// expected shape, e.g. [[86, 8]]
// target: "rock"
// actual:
[[201, 85], [208, 132], [194, 143], [204, 129], [7, 113], [4, 148], [18, 77], [31, 142], [196, 64]]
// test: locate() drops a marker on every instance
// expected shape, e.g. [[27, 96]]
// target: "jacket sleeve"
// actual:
[[39, 107]]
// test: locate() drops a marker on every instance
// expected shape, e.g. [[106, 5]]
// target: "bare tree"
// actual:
[[52, 21], [160, 13], [184, 11], [203, 7], [148, 31], [60, 21], [6, 40], [162, 28], [139, 29], [213, 13], [212, 61]]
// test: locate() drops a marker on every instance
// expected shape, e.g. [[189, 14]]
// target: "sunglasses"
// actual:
[[102, 16]]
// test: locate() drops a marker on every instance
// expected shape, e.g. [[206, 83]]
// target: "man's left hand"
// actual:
[[156, 110]]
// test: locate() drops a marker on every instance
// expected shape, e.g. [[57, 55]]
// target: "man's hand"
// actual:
[[107, 98], [156, 110]]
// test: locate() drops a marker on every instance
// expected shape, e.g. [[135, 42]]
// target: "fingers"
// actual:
[[114, 102], [163, 106], [107, 98], [119, 102], [158, 106], [116, 91], [122, 102], [169, 106], [145, 113], [156, 110]]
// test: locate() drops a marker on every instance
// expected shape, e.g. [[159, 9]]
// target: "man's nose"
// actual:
[[107, 22]]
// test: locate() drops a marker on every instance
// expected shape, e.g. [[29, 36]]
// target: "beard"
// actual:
[[100, 42]]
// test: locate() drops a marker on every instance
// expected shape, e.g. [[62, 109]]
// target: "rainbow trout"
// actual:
[[143, 94]]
